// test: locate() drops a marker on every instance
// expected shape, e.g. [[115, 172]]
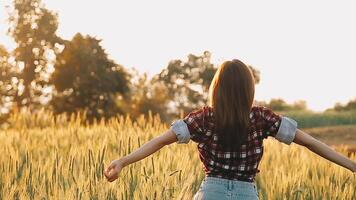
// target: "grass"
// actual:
[[307, 119], [47, 157]]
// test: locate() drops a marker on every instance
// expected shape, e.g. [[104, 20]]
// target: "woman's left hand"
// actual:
[[112, 171]]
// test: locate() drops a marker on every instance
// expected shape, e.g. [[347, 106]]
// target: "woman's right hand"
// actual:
[[112, 171]]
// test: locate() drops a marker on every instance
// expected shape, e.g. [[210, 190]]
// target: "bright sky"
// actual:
[[304, 49]]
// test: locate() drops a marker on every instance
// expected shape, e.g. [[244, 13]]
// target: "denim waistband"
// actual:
[[228, 182]]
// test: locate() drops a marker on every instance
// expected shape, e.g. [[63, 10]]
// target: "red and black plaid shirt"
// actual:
[[237, 165]]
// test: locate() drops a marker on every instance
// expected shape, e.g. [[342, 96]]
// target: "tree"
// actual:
[[188, 81], [280, 105], [85, 79], [351, 105], [300, 105], [8, 84], [7, 74], [33, 28], [148, 95]]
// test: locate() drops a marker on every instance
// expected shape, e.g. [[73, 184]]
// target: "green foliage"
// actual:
[[178, 89], [308, 119], [281, 105], [85, 79], [188, 81]]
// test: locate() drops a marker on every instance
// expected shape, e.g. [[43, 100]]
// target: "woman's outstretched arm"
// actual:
[[323, 150], [113, 170]]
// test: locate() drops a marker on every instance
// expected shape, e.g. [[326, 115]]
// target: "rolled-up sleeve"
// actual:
[[180, 128], [192, 126], [280, 127], [287, 130]]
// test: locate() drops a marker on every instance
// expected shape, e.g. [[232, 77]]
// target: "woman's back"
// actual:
[[241, 164]]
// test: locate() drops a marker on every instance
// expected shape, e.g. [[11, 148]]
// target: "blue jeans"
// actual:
[[221, 189]]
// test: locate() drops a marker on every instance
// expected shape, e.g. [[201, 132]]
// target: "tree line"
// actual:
[[68, 76], [47, 71]]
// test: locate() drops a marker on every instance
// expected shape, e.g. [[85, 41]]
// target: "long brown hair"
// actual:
[[231, 95]]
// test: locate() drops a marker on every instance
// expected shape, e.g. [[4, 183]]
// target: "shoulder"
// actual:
[[261, 111], [257, 110], [206, 110], [201, 112]]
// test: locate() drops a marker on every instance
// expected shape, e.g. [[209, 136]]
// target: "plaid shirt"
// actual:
[[240, 165]]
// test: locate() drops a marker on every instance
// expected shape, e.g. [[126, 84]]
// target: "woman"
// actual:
[[230, 132]]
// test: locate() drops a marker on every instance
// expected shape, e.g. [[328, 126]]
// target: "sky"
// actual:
[[305, 50]]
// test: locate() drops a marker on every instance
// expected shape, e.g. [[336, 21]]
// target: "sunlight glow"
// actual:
[[304, 49]]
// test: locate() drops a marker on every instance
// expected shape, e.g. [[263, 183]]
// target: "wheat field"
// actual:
[[48, 157]]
